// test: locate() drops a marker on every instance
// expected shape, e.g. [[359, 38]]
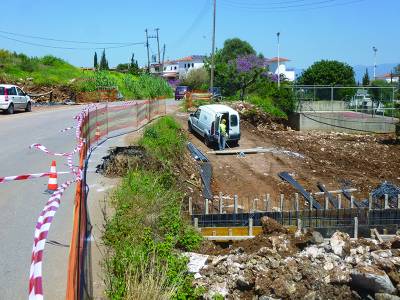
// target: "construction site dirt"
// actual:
[[334, 159]]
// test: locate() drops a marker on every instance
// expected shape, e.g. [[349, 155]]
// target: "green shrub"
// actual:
[[147, 228], [267, 105]]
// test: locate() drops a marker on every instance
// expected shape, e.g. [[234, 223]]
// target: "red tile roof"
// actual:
[[275, 59]]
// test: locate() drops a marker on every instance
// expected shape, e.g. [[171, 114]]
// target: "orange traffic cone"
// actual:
[[52, 185]]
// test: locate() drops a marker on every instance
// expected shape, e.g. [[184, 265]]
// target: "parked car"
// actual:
[[205, 121], [216, 93], [181, 91], [14, 98]]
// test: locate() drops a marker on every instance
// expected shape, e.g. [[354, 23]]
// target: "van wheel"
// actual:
[[10, 109], [190, 128], [28, 107], [207, 141]]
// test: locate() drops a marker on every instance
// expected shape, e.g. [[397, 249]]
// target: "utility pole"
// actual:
[[279, 67], [163, 59], [375, 50], [148, 53], [213, 48], [158, 46]]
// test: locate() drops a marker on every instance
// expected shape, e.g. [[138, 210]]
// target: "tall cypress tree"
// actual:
[[365, 80], [95, 63], [103, 61]]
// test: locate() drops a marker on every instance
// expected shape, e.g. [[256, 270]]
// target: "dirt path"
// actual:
[[250, 177], [331, 158]]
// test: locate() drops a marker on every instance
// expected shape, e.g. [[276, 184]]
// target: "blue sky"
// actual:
[[342, 32]]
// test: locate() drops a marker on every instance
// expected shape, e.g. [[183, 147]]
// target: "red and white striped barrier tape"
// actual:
[[46, 216], [40, 235], [28, 176]]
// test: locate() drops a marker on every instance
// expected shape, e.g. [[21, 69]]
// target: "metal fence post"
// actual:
[[267, 197], [235, 204], [250, 226], [352, 202], [296, 197], [281, 202], [190, 206], [196, 223], [339, 198], [386, 201], [370, 202], [398, 201], [206, 207], [356, 227], [326, 203], [221, 203]]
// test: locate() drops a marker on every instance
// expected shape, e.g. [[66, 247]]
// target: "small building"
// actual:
[[389, 77], [181, 67], [273, 68]]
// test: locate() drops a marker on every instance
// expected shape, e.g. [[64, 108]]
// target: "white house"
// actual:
[[272, 65], [181, 67], [389, 78]]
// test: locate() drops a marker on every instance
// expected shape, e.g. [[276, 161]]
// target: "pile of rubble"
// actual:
[[258, 118], [302, 266]]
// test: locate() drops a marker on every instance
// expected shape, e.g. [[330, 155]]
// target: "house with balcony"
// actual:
[[179, 68], [282, 69]]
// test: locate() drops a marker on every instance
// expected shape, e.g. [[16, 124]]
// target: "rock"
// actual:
[[317, 238], [395, 242], [196, 261], [340, 243], [372, 279], [269, 226], [238, 250], [337, 275], [244, 283], [218, 259], [310, 296], [382, 296], [267, 298]]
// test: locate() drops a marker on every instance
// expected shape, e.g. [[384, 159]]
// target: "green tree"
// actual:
[[95, 63], [380, 91], [123, 68], [333, 73], [365, 80], [226, 75], [134, 66], [103, 61], [233, 48], [197, 79]]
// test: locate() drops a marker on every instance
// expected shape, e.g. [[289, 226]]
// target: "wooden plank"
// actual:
[[236, 151]]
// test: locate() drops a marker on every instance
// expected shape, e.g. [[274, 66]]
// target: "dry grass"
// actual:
[[148, 283]]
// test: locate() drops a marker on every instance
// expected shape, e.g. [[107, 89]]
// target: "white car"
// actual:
[[205, 121], [14, 98]]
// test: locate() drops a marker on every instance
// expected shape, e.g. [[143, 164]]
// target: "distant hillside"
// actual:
[[46, 70], [34, 72]]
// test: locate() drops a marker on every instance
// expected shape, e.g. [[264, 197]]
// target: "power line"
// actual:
[[290, 8], [69, 48], [196, 21], [64, 41]]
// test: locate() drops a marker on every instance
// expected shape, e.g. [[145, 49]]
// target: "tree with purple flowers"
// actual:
[[248, 69]]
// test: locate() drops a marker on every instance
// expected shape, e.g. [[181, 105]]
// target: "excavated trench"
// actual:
[[121, 159]]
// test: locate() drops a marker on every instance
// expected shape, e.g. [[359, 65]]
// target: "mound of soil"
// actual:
[[122, 159], [259, 118]]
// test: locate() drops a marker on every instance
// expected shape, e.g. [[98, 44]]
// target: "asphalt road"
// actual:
[[21, 202]]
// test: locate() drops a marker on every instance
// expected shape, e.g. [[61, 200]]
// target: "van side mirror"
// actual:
[[191, 114]]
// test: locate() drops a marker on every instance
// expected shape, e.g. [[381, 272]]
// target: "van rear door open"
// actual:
[[217, 121]]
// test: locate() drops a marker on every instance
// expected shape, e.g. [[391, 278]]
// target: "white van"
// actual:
[[205, 121]]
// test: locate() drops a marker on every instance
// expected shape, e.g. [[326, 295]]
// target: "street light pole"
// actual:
[[375, 50], [279, 71], [213, 49]]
